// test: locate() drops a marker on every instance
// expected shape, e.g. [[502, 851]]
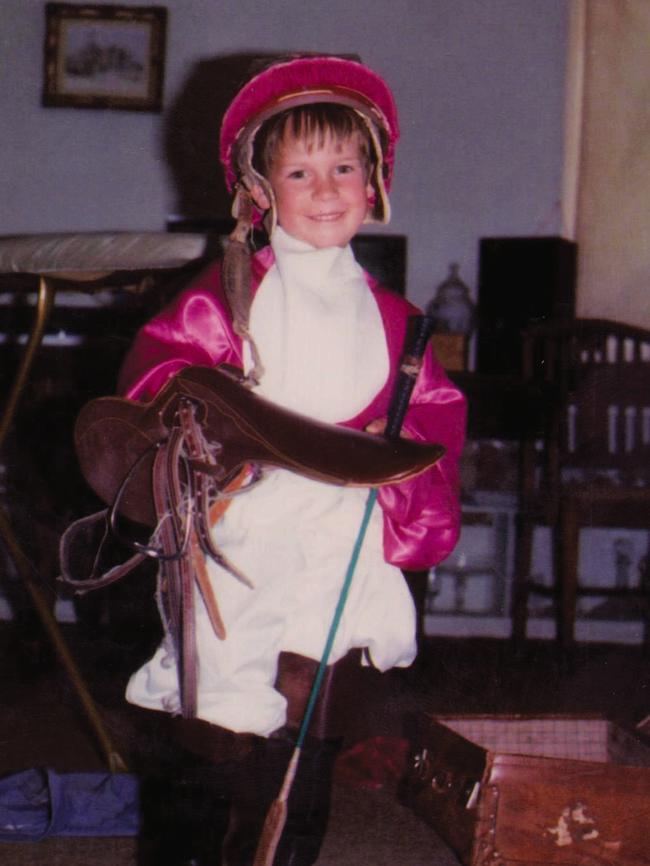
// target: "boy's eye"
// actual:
[[297, 174], [345, 168]]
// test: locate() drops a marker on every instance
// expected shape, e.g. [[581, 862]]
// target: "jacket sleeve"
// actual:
[[422, 515], [194, 328]]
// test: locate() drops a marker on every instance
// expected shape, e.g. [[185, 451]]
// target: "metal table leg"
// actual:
[[46, 294]]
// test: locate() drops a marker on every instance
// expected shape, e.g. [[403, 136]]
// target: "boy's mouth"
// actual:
[[326, 217]]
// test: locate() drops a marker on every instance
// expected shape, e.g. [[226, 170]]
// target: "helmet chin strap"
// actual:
[[270, 215], [379, 210], [236, 276]]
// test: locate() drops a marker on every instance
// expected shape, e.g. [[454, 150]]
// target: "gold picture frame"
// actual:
[[104, 56]]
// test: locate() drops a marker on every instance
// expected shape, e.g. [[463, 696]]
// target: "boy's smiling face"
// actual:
[[321, 189]]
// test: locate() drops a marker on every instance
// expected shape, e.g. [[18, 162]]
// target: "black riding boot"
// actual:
[[256, 786], [186, 768], [185, 813]]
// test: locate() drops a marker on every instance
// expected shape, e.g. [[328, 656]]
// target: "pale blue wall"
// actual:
[[479, 84]]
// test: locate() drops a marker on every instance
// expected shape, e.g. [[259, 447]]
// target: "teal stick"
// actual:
[[345, 589], [409, 368], [417, 340]]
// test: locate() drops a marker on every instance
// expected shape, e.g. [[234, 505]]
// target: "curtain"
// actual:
[[607, 167]]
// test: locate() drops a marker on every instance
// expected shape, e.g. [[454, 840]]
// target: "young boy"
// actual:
[[309, 143]]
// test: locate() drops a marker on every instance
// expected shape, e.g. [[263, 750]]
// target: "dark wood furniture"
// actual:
[[499, 405], [590, 467], [522, 281]]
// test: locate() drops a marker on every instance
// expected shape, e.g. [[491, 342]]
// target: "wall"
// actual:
[[479, 84]]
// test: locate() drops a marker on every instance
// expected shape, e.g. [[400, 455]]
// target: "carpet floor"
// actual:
[[43, 724]]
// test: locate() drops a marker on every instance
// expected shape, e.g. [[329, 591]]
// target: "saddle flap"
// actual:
[[116, 439]]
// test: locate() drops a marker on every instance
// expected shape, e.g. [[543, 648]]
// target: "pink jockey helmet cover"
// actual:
[[310, 79]]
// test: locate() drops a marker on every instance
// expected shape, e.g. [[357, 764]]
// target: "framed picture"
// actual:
[[104, 56]]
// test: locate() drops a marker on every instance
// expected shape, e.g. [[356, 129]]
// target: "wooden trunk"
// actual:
[[549, 791]]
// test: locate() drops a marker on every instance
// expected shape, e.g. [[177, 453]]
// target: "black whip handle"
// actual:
[[418, 333]]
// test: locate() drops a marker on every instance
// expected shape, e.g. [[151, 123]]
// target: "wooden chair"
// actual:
[[591, 466]]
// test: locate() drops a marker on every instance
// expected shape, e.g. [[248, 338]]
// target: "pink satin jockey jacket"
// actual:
[[422, 515]]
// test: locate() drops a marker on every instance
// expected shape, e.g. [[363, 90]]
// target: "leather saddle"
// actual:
[[167, 463], [116, 438]]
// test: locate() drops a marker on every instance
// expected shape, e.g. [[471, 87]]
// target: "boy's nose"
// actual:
[[325, 187]]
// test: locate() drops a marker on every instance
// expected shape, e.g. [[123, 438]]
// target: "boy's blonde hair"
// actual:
[[312, 123]]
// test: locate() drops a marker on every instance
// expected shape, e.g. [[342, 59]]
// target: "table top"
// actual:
[[81, 257]]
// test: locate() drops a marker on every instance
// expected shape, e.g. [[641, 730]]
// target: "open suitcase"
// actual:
[[548, 791]]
